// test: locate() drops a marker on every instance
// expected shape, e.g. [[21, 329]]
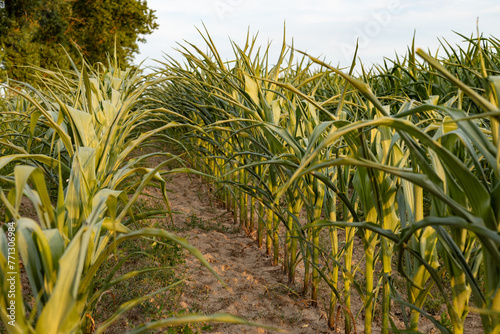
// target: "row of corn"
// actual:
[[402, 158]]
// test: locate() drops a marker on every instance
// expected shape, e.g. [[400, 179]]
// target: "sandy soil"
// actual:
[[257, 291]]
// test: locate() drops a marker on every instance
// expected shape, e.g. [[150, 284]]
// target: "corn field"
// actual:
[[403, 156]]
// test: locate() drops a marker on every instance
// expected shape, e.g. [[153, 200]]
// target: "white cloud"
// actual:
[[320, 27]]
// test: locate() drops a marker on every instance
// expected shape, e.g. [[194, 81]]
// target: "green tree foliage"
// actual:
[[127, 19], [34, 32], [30, 31]]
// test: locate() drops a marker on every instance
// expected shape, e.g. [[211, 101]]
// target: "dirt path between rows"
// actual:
[[257, 291]]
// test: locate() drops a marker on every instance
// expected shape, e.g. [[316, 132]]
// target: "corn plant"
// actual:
[[85, 125]]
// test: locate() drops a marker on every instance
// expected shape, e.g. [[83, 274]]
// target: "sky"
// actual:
[[327, 29]]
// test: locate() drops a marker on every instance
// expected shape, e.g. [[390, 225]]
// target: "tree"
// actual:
[[34, 32], [96, 23], [29, 34]]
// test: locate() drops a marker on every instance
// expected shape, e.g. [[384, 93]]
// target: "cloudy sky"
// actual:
[[323, 28]]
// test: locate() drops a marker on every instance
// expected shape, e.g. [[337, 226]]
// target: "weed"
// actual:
[[446, 321], [194, 221]]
